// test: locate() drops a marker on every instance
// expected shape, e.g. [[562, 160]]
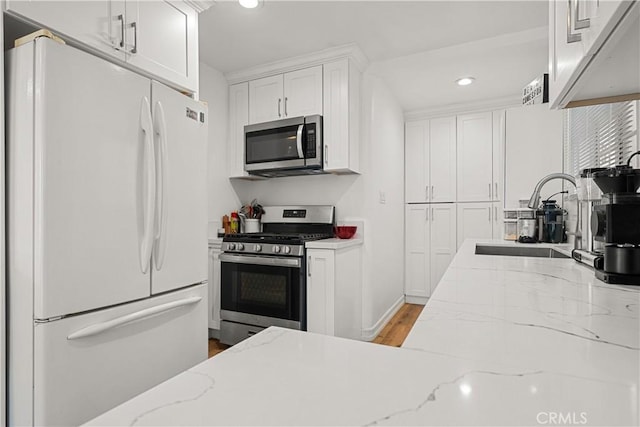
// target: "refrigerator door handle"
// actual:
[[148, 185], [101, 327], [162, 162]]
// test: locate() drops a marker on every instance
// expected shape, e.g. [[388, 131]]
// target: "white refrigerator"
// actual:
[[106, 234]]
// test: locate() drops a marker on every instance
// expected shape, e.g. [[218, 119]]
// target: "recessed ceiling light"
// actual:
[[465, 81], [249, 4]]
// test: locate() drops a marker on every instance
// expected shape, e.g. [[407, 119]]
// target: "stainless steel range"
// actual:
[[263, 275]]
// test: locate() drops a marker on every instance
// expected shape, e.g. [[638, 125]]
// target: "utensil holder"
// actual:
[[251, 225]]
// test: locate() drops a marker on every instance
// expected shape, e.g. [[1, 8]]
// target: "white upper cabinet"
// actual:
[[299, 87], [416, 161], [591, 44], [430, 160], [442, 159], [161, 37], [98, 24], [298, 93], [158, 38], [303, 92], [475, 157], [341, 101], [238, 119], [265, 99]]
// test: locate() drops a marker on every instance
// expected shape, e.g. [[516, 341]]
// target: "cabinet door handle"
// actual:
[[121, 19], [580, 24], [135, 37], [495, 194], [571, 37], [426, 191], [309, 266], [326, 154], [279, 102], [433, 191], [426, 211], [285, 106], [433, 216]]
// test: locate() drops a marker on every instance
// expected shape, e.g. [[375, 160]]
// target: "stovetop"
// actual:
[[275, 238]]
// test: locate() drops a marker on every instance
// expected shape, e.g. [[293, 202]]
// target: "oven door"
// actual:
[[263, 290], [275, 145]]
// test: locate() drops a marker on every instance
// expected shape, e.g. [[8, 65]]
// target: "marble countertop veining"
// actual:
[[502, 341]]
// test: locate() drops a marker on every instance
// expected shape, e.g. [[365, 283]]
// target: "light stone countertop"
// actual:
[[503, 341], [335, 243]]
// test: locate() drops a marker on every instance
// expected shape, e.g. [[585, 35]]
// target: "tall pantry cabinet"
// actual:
[[480, 154], [430, 214], [453, 191]]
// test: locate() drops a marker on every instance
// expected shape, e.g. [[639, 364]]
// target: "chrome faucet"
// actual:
[[534, 202]]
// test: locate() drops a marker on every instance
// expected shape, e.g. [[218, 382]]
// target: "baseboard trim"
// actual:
[[416, 300], [369, 334]]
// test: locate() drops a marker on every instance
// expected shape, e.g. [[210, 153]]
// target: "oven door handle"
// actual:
[[274, 261], [299, 141]]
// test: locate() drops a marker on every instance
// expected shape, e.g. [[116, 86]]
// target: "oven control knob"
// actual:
[[231, 246], [286, 250], [258, 248], [276, 249], [240, 247]]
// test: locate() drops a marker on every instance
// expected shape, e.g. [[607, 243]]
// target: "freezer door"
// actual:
[[180, 249], [85, 365], [92, 167]]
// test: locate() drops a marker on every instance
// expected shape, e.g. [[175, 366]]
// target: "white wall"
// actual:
[[533, 150], [222, 199], [356, 197]]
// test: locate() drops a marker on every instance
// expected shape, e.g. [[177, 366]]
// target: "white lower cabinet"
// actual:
[[334, 292], [479, 221], [430, 245], [213, 315]]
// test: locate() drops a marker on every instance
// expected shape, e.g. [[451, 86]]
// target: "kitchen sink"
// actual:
[[526, 251]]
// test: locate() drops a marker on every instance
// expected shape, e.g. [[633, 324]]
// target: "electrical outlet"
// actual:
[[383, 197]]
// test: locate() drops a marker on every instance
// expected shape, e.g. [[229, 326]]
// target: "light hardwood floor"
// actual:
[[393, 334]]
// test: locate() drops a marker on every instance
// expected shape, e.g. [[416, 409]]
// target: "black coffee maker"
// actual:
[[616, 223]]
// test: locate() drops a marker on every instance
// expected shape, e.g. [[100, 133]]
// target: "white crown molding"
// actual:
[[351, 51], [463, 108], [200, 5]]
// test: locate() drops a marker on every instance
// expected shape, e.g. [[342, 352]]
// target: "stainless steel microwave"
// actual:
[[284, 147]]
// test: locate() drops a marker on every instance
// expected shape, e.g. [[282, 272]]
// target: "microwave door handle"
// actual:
[[299, 141]]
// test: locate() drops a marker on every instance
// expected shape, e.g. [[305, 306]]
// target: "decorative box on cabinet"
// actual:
[[430, 245], [215, 249], [591, 45], [334, 291], [158, 38], [430, 160], [293, 94]]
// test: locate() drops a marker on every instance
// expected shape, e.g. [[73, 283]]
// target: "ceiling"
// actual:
[[417, 47]]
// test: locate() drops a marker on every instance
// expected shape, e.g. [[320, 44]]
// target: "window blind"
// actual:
[[599, 136]]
